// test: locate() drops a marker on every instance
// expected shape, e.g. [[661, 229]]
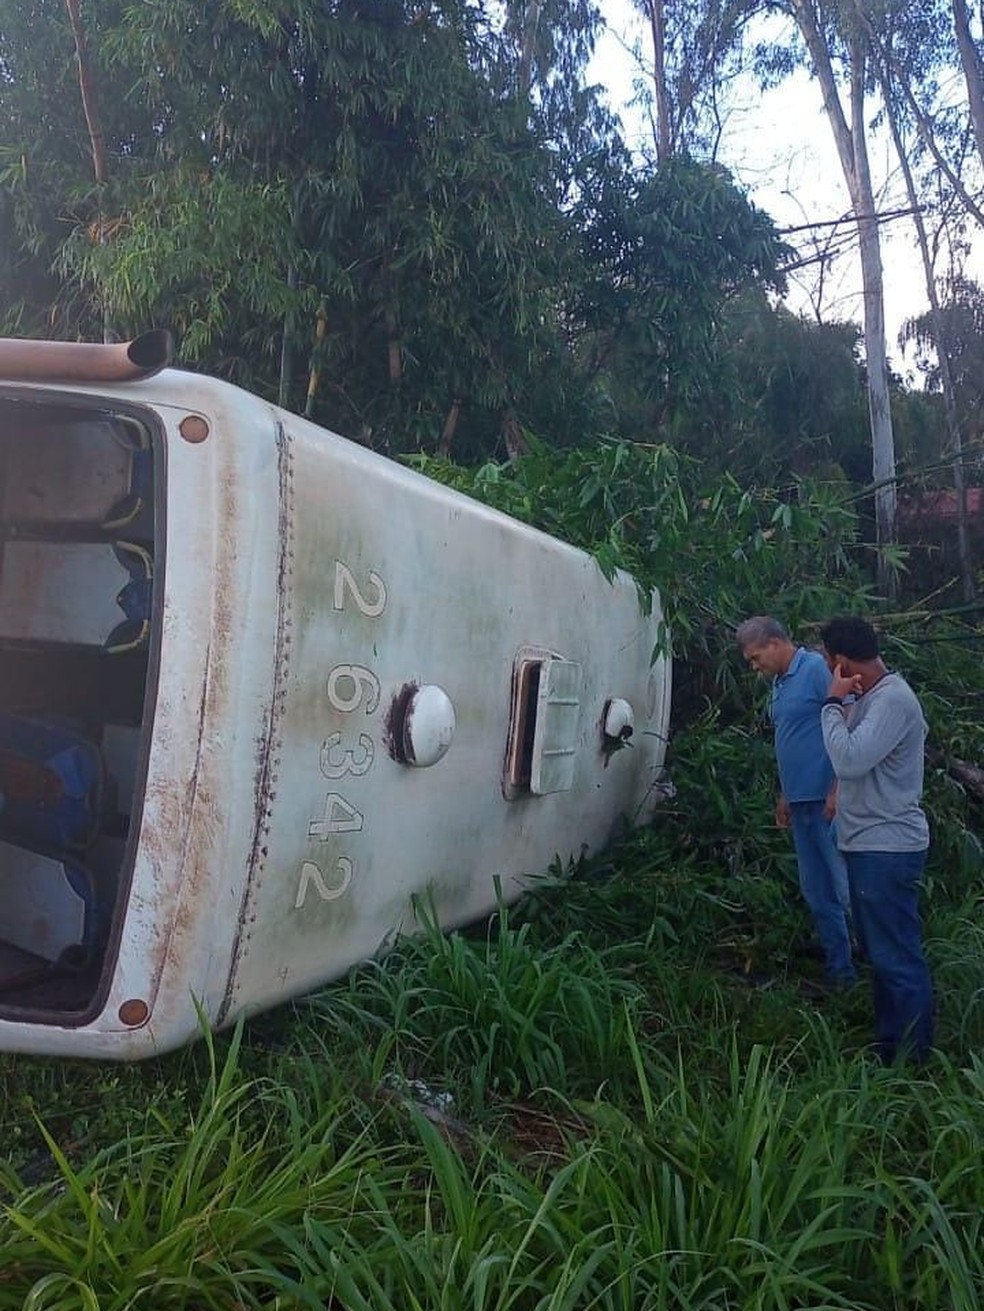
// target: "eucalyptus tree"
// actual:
[[960, 319], [694, 51], [929, 63], [545, 47], [838, 54], [972, 63], [920, 41], [935, 319], [913, 48]]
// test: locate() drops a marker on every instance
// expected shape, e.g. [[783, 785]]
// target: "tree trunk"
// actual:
[[512, 435], [531, 23], [923, 122], [90, 108], [939, 338], [853, 152], [970, 775], [449, 429], [876, 359], [314, 374], [394, 350], [97, 142], [657, 25], [283, 389], [970, 61]]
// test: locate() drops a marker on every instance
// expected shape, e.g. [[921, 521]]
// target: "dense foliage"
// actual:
[[354, 210], [414, 222]]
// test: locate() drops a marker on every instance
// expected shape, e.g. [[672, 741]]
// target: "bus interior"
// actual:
[[77, 556]]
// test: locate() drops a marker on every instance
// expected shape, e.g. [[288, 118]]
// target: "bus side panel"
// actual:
[[395, 583]]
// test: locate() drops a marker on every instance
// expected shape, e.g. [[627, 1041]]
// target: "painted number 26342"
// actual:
[[344, 757]]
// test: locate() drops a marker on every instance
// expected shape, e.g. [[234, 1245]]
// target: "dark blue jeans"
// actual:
[[885, 900], [823, 883]]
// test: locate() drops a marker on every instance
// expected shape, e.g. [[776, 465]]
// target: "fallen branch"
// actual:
[[971, 776]]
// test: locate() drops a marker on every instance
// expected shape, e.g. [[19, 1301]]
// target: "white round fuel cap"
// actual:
[[619, 719], [428, 726]]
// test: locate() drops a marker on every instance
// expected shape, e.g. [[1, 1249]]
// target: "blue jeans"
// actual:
[[823, 883], [885, 898]]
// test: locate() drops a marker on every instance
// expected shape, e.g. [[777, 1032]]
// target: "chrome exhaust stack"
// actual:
[[73, 361]]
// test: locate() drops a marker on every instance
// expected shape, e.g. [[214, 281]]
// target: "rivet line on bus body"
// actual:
[[134, 1012], [193, 428]]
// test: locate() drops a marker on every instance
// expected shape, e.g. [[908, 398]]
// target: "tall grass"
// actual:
[[509, 1013], [600, 1151], [192, 1213]]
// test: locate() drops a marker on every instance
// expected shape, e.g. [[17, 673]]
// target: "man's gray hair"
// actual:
[[758, 630]]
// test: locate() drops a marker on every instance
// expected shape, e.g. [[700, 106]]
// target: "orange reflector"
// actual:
[[134, 1012], [193, 428]]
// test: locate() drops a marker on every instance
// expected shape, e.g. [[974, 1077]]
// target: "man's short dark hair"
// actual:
[[851, 636]]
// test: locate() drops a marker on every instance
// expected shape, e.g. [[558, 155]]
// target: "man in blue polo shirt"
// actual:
[[806, 802]]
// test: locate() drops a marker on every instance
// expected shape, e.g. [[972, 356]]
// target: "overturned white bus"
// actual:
[[258, 688]]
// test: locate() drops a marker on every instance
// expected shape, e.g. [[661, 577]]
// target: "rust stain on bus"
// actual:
[[269, 746], [395, 735]]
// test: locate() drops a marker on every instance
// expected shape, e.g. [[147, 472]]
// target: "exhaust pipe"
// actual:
[[73, 361]]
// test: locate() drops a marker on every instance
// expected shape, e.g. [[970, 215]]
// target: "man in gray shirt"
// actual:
[[875, 744]]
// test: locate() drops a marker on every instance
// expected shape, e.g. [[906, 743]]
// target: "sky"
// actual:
[[780, 150]]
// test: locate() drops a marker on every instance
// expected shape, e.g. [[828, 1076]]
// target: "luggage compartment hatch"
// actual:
[[555, 734]]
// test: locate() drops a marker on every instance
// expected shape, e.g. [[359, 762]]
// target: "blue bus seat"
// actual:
[[52, 784]]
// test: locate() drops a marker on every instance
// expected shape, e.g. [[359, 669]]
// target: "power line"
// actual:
[[881, 216], [821, 257], [842, 242]]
